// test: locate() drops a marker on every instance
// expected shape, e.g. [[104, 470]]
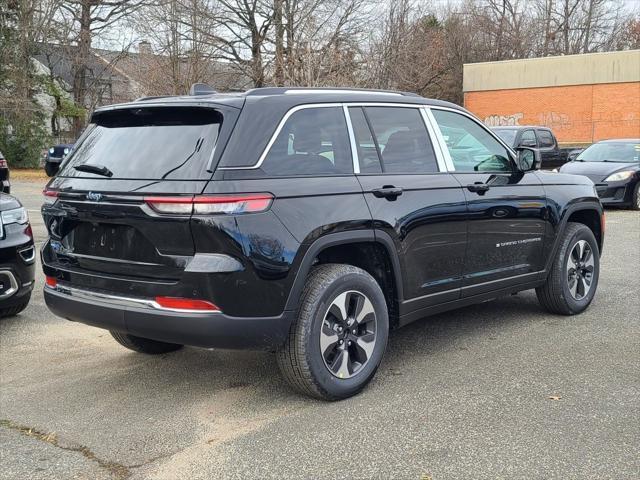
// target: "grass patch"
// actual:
[[28, 174]]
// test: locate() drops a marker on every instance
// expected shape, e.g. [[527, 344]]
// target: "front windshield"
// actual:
[[508, 135], [623, 152]]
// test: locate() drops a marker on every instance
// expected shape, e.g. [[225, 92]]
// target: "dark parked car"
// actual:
[[541, 138], [614, 166], [305, 221], [5, 184], [54, 157], [17, 257]]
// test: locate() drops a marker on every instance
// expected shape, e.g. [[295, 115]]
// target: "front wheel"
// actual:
[[337, 342], [635, 198], [15, 309], [573, 280]]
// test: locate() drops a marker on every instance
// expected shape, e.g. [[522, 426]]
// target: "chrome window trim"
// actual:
[[352, 140], [473, 119], [273, 138], [297, 108]]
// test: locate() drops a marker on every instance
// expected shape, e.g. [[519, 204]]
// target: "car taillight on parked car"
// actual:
[[50, 196], [208, 205]]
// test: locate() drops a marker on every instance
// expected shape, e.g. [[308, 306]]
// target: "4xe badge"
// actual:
[[94, 196]]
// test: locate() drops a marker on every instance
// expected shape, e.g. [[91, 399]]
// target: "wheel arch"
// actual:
[[590, 214], [373, 251]]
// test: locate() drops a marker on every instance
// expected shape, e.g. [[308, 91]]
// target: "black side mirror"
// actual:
[[529, 159]]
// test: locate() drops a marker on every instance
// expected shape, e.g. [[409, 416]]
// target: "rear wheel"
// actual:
[[339, 337], [573, 280], [144, 345]]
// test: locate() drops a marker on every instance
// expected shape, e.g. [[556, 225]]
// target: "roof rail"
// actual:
[[321, 90], [201, 89], [143, 99]]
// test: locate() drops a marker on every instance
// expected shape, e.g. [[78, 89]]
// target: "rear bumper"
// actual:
[[133, 316]]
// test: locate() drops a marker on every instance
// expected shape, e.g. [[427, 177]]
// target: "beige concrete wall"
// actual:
[[585, 69]]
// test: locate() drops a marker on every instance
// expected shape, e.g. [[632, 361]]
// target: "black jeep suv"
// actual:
[[17, 257], [305, 221]]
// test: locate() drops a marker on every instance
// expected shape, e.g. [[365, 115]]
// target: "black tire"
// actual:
[[144, 345], [15, 309], [555, 295], [49, 169], [301, 360], [635, 198]]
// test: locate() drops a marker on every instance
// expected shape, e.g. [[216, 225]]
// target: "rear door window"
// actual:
[[313, 141], [528, 138], [546, 139], [402, 140], [147, 143]]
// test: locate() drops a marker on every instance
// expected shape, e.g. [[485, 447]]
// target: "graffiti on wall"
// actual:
[[554, 120], [503, 120]]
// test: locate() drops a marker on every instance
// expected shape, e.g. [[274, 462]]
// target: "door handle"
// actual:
[[479, 187], [388, 191]]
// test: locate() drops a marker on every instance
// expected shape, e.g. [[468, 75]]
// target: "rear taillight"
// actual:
[[51, 282], [177, 303], [50, 196], [209, 205]]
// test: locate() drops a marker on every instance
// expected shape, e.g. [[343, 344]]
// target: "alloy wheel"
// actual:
[[580, 269], [348, 334]]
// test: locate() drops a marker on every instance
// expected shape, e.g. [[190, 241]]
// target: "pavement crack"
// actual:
[[118, 470]]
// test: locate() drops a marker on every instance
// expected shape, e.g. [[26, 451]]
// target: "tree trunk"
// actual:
[[80, 65], [279, 70]]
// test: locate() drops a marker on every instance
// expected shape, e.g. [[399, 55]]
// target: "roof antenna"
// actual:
[[201, 89]]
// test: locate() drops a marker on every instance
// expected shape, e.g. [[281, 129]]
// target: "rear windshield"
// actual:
[[147, 143]]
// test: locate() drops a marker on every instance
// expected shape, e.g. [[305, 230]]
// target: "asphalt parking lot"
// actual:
[[497, 390]]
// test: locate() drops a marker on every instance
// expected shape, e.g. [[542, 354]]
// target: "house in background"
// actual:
[[582, 98], [118, 77]]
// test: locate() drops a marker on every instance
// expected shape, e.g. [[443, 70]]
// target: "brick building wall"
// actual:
[[582, 99]]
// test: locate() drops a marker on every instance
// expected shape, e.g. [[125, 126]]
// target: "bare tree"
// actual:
[[90, 18]]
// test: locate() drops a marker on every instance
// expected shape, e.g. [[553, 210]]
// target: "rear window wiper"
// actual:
[[97, 169]]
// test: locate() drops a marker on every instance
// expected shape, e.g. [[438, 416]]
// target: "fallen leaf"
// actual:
[[554, 397]]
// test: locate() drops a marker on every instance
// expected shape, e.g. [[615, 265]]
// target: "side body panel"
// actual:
[[506, 230], [271, 246], [428, 226]]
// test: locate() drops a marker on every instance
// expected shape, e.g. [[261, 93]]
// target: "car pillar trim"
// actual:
[[442, 154], [352, 140]]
